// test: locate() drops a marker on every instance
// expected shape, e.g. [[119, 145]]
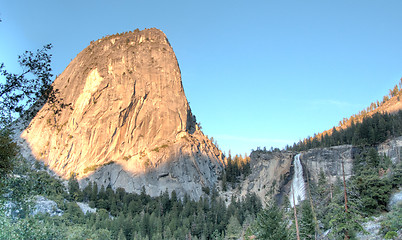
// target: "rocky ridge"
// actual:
[[129, 124], [272, 171]]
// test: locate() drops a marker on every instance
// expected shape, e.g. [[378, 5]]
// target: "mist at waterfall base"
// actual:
[[298, 188]]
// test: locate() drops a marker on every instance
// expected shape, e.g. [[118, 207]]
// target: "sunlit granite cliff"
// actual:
[[129, 124]]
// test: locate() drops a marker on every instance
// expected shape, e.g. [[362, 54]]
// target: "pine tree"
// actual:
[[270, 224], [8, 150], [216, 235], [373, 159], [342, 223], [145, 225], [307, 230], [121, 235], [94, 193], [74, 190], [87, 192], [322, 184], [373, 191], [224, 181], [233, 229]]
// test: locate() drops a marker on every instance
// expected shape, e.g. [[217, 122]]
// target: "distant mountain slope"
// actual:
[[391, 104]]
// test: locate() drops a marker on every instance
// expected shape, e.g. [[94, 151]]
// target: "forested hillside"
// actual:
[[373, 125], [119, 215], [370, 131]]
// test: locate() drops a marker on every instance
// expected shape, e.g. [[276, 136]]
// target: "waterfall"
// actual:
[[298, 189]]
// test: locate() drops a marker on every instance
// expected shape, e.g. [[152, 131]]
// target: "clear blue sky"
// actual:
[[256, 73]]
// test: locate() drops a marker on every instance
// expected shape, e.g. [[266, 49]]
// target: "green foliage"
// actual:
[[373, 191], [75, 193], [224, 181], [329, 204], [392, 221], [25, 183], [391, 235], [307, 228], [206, 190], [233, 229], [370, 183], [396, 176], [28, 228], [373, 159], [235, 169], [157, 149], [44, 184], [86, 192], [8, 151], [77, 232], [91, 168], [368, 193], [371, 130], [122, 215], [121, 235], [270, 224], [19, 92], [343, 223], [73, 214]]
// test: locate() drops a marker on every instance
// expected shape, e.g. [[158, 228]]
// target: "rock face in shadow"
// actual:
[[329, 160], [392, 148], [130, 124], [270, 172]]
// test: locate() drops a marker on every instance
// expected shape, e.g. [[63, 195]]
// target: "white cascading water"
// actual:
[[298, 189]]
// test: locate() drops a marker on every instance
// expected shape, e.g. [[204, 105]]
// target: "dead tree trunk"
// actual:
[[295, 213], [346, 198], [312, 206]]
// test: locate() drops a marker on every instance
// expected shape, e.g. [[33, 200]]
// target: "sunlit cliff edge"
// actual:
[[129, 124]]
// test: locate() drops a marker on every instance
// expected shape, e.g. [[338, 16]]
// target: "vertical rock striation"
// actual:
[[130, 124], [270, 172], [329, 160]]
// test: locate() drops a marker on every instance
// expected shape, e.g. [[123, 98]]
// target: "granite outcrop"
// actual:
[[127, 122]]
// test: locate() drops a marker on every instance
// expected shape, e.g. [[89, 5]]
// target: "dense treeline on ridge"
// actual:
[[370, 126], [370, 131]]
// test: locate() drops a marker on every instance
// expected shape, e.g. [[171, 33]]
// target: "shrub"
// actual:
[[391, 235], [91, 168]]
